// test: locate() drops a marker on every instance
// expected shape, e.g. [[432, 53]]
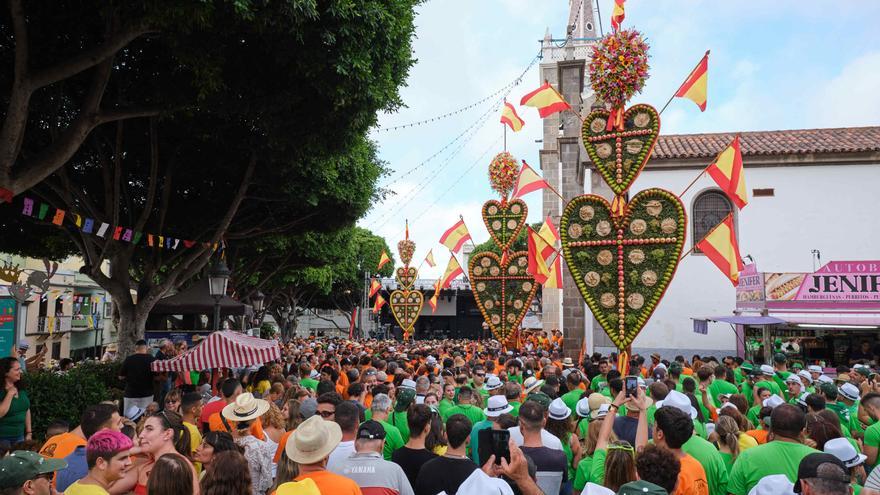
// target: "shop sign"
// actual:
[[842, 281], [7, 322], [751, 285]]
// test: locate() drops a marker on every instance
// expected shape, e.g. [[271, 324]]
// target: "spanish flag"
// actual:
[[727, 171], [695, 87], [453, 269], [455, 237], [617, 14], [429, 258], [378, 303], [549, 233], [383, 260], [374, 287], [546, 99], [537, 265], [721, 248], [509, 117], [528, 181]]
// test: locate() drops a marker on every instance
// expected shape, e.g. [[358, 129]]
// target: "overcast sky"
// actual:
[[774, 65]]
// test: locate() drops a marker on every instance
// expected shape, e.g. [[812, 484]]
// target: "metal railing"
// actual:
[[52, 324]]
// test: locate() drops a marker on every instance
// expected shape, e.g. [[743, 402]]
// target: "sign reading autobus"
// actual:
[[842, 281]]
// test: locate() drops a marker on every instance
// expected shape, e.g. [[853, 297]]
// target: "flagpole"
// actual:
[[704, 169], [505, 135], [682, 84]]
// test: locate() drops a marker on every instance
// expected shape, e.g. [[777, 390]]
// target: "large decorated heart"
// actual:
[[504, 220], [406, 306], [503, 291], [406, 276], [619, 156], [622, 266]]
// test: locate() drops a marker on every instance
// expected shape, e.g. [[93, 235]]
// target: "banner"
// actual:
[[7, 322]]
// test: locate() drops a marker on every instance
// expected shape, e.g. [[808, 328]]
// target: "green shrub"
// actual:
[[57, 396]]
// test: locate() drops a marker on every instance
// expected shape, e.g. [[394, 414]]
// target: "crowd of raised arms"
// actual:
[[340, 417]]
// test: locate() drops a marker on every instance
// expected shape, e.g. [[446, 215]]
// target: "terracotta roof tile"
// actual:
[[840, 140]]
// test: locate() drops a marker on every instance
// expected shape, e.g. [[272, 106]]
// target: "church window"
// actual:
[[709, 209]]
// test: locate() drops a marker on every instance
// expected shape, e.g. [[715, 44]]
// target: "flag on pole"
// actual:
[[510, 117], [378, 303], [374, 287], [727, 171], [546, 99], [354, 314], [695, 87], [537, 265], [617, 14], [453, 269], [455, 237], [545, 247], [383, 260], [721, 248], [429, 258], [528, 181]]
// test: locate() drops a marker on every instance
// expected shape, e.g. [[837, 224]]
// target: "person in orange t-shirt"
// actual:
[[215, 423], [310, 447], [61, 445], [672, 428]]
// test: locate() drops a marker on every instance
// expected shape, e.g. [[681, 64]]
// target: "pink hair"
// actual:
[[107, 443]]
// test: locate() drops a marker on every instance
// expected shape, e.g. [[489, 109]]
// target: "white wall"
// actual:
[[829, 208]]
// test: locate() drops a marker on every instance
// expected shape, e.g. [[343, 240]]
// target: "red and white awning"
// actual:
[[223, 350]]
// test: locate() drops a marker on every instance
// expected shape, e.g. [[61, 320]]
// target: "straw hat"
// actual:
[[531, 384], [245, 408], [313, 440]]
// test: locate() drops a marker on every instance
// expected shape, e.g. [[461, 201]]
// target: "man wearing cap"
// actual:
[[381, 408], [780, 368], [309, 447], [28, 473], [781, 455], [848, 395], [495, 407], [367, 467], [406, 394], [794, 388], [822, 474], [720, 385], [32, 362], [768, 380]]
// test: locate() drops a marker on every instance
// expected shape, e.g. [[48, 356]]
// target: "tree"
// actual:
[[262, 141]]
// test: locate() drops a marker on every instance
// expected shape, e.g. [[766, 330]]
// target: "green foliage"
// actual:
[[66, 395], [267, 331]]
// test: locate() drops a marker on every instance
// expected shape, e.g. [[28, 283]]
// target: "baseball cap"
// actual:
[[825, 379], [24, 465], [24, 344], [809, 468], [773, 401], [540, 398], [371, 430], [405, 397], [862, 370], [793, 379], [675, 367], [641, 487]]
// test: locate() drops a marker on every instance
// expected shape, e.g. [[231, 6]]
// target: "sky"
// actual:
[[773, 65]]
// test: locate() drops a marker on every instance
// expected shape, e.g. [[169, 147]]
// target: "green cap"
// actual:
[[24, 465], [676, 367], [863, 370], [540, 398], [779, 357], [641, 487], [797, 366], [405, 397], [828, 388], [747, 366]]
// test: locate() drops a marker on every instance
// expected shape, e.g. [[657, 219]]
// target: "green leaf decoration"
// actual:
[[503, 291], [504, 220]]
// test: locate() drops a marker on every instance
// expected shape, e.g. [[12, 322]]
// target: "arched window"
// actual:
[[710, 208]]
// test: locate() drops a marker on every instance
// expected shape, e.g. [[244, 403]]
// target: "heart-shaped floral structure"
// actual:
[[406, 276], [619, 156], [503, 291], [504, 220], [623, 265], [406, 305]]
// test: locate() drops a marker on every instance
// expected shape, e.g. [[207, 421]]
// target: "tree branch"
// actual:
[[154, 177], [12, 132]]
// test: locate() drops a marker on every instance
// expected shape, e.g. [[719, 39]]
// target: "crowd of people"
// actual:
[[336, 416]]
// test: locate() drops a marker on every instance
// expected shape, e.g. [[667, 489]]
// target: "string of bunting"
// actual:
[[509, 85], [104, 230]]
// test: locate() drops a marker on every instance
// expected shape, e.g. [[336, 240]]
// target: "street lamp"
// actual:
[[218, 278], [257, 301]]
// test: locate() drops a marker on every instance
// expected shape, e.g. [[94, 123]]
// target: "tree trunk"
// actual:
[[132, 324]]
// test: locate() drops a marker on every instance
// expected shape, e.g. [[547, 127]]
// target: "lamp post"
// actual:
[[285, 329], [218, 278], [257, 301]]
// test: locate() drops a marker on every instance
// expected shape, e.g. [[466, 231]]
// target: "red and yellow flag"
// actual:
[[456, 236], [727, 171], [429, 258], [546, 99], [528, 181], [617, 14], [509, 117], [374, 287], [383, 260], [695, 87], [537, 265], [542, 248], [721, 248], [453, 269], [378, 303]]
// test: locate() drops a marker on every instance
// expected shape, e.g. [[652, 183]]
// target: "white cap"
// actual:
[[775, 484], [825, 379], [407, 383], [773, 401], [814, 368], [660, 366], [767, 370], [726, 404], [843, 450], [496, 406], [602, 411], [806, 376], [558, 409], [794, 379], [679, 401], [492, 383], [431, 360], [849, 391]]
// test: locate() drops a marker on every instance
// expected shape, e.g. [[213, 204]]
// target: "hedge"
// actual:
[[64, 396]]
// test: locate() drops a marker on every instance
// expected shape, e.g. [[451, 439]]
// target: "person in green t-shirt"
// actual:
[[869, 414], [780, 368], [512, 392], [767, 380], [381, 408], [782, 455], [574, 393], [514, 370], [619, 456], [721, 384], [466, 407], [406, 394], [308, 376], [600, 381], [447, 402]]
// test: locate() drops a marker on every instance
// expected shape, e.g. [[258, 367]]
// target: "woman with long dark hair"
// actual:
[[15, 406], [171, 475], [228, 474], [163, 433], [213, 443]]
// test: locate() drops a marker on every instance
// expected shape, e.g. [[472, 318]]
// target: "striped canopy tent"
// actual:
[[223, 349]]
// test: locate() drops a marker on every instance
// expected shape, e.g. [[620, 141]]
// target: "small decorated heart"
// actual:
[[406, 276], [406, 305], [503, 291], [504, 220], [623, 265], [619, 156]]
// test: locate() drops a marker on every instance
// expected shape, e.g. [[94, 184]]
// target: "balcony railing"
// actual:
[[52, 324]]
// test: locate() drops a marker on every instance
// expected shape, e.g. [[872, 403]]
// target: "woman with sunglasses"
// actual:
[[614, 463], [172, 400]]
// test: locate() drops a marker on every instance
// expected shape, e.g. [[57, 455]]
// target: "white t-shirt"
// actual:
[[340, 454], [548, 439]]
